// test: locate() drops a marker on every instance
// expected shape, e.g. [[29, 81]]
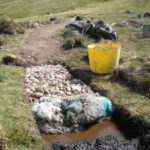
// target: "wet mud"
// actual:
[[102, 136], [105, 143]]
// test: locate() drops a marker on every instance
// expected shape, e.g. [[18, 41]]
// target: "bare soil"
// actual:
[[41, 47]]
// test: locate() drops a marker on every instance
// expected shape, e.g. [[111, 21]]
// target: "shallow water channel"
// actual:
[[101, 129]]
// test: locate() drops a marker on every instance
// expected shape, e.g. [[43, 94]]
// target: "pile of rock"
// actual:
[[62, 104], [50, 80]]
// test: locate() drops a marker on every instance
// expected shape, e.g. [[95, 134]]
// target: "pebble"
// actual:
[[39, 89], [29, 91], [53, 80]]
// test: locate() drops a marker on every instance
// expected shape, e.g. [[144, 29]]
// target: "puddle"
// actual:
[[101, 129]]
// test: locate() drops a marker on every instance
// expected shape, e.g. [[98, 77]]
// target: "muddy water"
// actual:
[[100, 129]]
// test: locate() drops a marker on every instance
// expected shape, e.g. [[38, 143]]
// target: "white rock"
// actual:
[[29, 91], [36, 24], [68, 89], [76, 87], [68, 93]]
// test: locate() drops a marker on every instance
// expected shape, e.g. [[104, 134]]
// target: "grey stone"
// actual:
[[40, 90], [36, 95]]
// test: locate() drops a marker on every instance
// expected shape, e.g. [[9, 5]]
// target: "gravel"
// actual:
[[51, 80], [60, 103]]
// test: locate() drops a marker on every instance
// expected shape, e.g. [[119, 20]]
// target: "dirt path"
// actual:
[[40, 46]]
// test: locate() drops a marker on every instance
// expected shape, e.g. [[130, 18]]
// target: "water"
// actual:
[[100, 129]]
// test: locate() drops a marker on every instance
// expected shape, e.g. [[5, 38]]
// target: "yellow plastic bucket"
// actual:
[[104, 57]]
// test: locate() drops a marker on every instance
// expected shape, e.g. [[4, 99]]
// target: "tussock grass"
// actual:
[[9, 26]]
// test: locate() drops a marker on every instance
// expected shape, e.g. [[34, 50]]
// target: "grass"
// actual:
[[16, 118], [39, 9], [21, 9], [133, 46], [96, 9], [137, 104], [141, 5]]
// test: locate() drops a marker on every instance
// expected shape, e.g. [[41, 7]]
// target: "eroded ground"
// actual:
[[40, 46]]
